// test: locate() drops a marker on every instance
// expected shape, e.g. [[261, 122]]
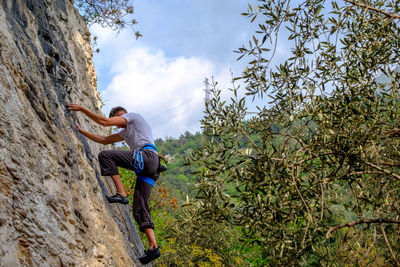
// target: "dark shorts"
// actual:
[[111, 159]]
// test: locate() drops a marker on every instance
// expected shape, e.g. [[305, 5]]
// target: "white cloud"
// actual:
[[168, 92]]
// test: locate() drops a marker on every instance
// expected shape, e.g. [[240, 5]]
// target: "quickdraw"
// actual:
[[138, 162]]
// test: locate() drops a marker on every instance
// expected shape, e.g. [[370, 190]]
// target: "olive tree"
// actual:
[[313, 176], [114, 14]]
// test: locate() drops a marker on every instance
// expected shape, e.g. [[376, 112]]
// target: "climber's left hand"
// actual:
[[74, 107]]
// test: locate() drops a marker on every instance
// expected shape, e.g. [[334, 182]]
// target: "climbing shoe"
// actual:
[[150, 255], [118, 198]]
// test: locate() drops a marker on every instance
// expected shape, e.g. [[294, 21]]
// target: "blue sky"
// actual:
[[161, 74]]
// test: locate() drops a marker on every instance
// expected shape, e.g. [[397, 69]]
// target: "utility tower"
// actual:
[[206, 90]]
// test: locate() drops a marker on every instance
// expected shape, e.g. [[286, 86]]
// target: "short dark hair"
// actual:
[[115, 110]]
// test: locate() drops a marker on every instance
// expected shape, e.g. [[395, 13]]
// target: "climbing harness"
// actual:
[[137, 161]]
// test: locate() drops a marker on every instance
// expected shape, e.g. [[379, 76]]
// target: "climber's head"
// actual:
[[117, 111]]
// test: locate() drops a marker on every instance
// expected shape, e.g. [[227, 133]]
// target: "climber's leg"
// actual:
[[118, 184], [140, 205], [151, 237], [109, 161], [150, 255], [141, 212]]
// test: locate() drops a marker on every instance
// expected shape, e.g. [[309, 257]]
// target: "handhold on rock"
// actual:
[[49, 63], [3, 220]]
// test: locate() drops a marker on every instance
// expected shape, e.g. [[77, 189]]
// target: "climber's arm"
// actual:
[[105, 140], [114, 121]]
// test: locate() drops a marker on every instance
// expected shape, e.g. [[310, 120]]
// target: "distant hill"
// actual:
[[178, 178]]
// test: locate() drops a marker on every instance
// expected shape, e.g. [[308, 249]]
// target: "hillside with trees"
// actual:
[[323, 186], [179, 176]]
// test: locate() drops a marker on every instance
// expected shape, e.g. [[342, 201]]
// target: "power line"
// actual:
[[170, 108], [165, 121]]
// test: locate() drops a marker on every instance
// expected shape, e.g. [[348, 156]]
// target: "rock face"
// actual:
[[52, 206]]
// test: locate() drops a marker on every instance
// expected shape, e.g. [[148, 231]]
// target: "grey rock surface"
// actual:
[[52, 206]]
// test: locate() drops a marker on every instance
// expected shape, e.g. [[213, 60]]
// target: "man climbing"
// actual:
[[142, 158]]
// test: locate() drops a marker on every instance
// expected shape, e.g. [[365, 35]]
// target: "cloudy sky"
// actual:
[[161, 74]]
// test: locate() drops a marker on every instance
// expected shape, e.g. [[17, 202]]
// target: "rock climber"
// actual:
[[143, 158]]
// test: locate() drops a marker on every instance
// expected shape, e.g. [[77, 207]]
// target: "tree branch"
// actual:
[[395, 175], [256, 147], [388, 245], [351, 224], [291, 136], [392, 133], [395, 16]]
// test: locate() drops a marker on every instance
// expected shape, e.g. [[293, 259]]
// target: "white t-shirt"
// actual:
[[137, 132]]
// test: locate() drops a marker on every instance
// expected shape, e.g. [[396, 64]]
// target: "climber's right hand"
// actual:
[[78, 127], [74, 107]]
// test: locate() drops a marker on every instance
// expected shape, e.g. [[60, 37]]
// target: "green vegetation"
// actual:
[[114, 14], [182, 244], [179, 177], [315, 172]]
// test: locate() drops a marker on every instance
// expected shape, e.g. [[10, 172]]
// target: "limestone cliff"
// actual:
[[52, 206]]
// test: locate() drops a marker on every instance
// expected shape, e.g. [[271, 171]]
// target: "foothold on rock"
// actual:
[[56, 56], [46, 35], [49, 63], [63, 17], [52, 202], [2, 221]]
